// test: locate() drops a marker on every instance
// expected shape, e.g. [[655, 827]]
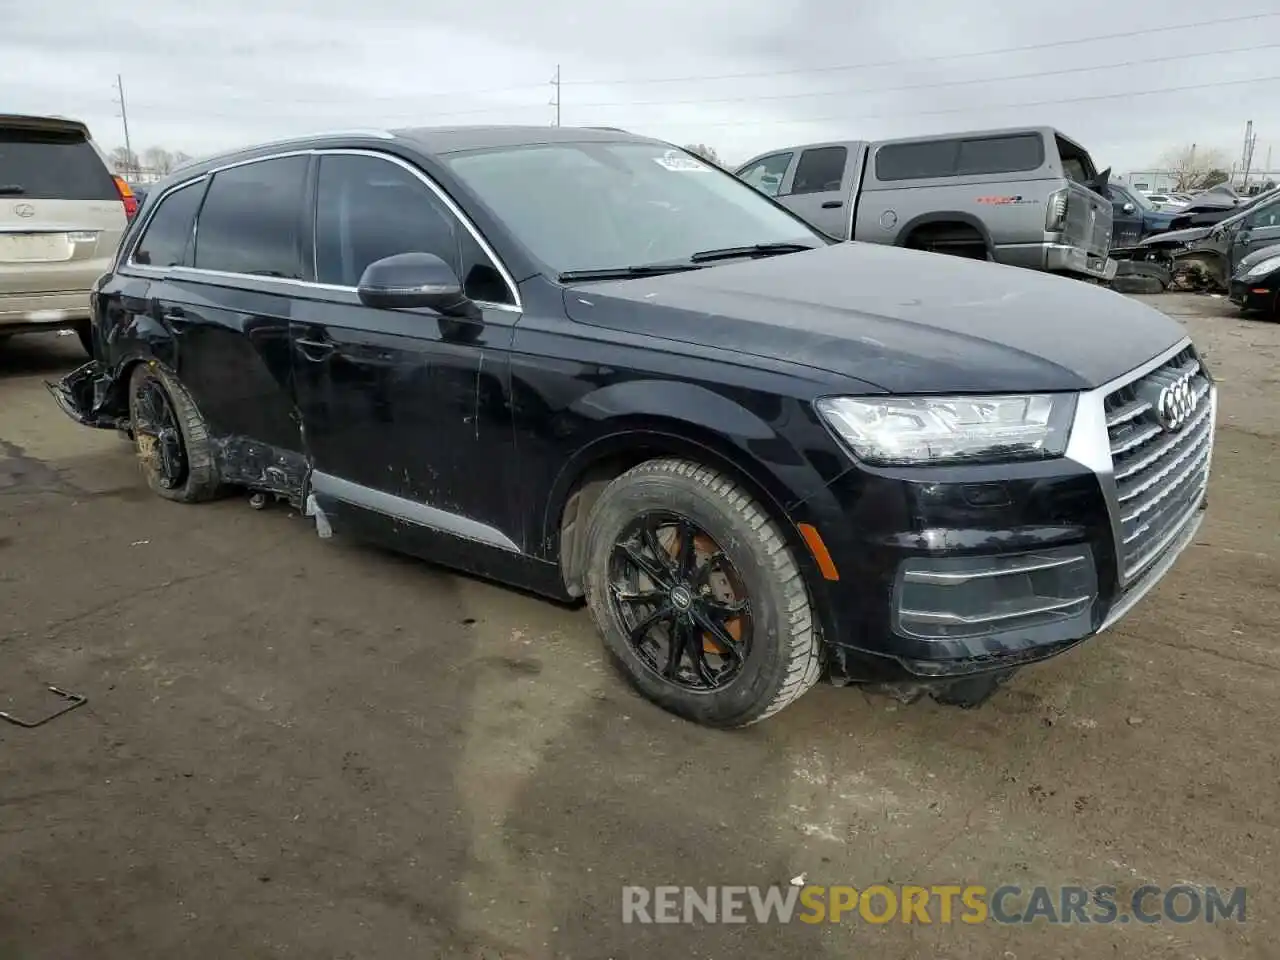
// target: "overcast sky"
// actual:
[[743, 76]]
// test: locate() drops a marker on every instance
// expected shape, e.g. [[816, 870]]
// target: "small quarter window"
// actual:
[[168, 235]]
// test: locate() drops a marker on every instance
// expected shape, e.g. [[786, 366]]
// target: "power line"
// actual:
[[860, 91], [1128, 34], [757, 121]]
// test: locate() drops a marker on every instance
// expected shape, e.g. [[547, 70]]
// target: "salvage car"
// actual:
[[1029, 197], [760, 456], [1134, 217], [62, 214], [1255, 286], [1204, 258]]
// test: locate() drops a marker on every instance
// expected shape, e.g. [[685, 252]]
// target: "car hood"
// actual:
[[1255, 258], [903, 320], [1190, 235]]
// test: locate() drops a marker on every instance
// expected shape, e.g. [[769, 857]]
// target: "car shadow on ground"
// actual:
[[39, 354]]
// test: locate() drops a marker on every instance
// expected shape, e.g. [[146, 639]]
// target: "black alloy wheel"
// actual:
[[681, 602]]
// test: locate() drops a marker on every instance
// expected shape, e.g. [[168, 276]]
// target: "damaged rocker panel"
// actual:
[[399, 508]]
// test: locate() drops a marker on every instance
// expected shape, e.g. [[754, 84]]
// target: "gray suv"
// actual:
[[1026, 197]]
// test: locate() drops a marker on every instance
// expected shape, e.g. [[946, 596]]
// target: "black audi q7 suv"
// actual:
[[590, 365]]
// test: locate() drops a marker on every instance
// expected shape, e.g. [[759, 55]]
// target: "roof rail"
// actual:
[[610, 129]]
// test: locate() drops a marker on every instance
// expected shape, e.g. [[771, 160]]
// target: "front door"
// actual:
[[404, 412], [1126, 217], [1261, 228]]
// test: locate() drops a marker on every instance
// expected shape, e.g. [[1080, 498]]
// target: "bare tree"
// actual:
[[1193, 167], [159, 159], [123, 162], [705, 152]]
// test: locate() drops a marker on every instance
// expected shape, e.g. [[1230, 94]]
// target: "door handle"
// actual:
[[316, 350], [833, 205]]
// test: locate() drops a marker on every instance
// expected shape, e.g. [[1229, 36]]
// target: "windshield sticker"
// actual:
[[674, 160]]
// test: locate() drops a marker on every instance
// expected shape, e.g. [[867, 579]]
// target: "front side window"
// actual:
[[767, 173], [251, 219], [820, 170], [368, 208], [606, 205], [1268, 216], [168, 235]]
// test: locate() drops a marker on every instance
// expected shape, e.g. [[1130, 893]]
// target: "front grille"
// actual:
[[1161, 465]]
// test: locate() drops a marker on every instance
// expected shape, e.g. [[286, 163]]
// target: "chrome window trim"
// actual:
[[450, 205], [128, 260], [1090, 444]]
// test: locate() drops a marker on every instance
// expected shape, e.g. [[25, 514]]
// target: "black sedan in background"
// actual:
[[1255, 285]]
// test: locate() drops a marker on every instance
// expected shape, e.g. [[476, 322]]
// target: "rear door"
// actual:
[[226, 312], [819, 188], [61, 216]]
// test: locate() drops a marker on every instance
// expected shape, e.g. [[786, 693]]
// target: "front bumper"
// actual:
[[945, 573], [1063, 258]]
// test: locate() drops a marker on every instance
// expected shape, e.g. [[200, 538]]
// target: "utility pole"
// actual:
[[1246, 156], [124, 117], [555, 82]]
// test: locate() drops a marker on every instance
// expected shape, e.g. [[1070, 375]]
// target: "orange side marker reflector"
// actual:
[[826, 566]]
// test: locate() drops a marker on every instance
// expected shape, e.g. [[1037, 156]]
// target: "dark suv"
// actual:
[[588, 364]]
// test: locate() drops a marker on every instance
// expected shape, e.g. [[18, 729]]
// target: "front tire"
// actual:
[[697, 595], [172, 440]]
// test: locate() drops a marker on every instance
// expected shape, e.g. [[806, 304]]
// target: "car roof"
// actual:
[[430, 140], [442, 140], [38, 122]]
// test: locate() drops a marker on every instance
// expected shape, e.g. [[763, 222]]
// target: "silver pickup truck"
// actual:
[[1025, 197]]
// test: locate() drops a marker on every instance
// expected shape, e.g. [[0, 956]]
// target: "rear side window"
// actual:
[[164, 244], [917, 161], [250, 219], [1000, 154], [52, 165], [820, 170], [960, 158]]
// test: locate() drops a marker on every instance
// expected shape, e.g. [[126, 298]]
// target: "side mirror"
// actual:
[[1129, 208], [409, 280]]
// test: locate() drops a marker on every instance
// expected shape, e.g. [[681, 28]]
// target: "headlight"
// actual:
[[928, 430], [1266, 266]]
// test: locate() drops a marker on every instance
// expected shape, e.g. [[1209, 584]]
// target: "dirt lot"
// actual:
[[306, 748]]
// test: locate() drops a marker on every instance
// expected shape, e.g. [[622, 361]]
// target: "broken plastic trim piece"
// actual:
[[323, 527], [73, 700]]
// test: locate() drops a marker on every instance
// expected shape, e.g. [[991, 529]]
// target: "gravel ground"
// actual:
[[315, 749]]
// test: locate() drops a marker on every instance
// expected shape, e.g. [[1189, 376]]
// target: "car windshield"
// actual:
[[612, 205], [1138, 198]]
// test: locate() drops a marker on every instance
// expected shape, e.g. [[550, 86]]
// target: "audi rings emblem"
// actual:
[[1175, 405]]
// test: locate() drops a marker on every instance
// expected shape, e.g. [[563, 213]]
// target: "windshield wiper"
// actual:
[[626, 273], [11, 189], [753, 250]]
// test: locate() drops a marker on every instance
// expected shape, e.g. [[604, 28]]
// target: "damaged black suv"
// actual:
[[591, 365]]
